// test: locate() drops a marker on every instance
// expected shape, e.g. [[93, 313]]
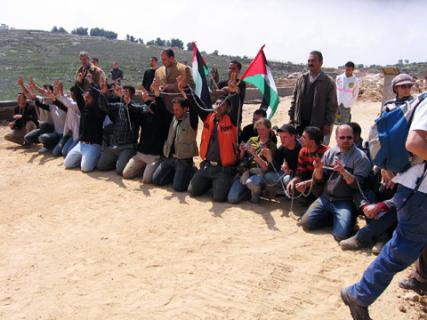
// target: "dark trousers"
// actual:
[[216, 177], [377, 227], [57, 150], [33, 136], [176, 171], [50, 140], [115, 157]]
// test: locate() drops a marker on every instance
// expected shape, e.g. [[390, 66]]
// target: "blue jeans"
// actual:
[[272, 181], [50, 139], [238, 192], [70, 144], [407, 243], [255, 185], [84, 155], [377, 227], [341, 215], [57, 150]]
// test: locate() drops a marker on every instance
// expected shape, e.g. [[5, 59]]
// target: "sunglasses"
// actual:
[[345, 137]]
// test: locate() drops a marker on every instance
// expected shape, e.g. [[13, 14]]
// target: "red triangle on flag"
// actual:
[[257, 66]]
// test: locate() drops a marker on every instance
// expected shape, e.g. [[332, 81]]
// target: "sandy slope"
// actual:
[[92, 246]]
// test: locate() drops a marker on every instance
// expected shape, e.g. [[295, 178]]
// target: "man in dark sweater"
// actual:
[[148, 78], [154, 122], [116, 74], [125, 128], [86, 153], [283, 164], [343, 169]]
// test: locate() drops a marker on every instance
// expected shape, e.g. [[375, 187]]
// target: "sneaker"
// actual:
[[379, 245], [357, 311], [414, 285], [351, 244]]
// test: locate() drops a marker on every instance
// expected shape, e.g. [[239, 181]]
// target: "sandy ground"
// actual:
[[93, 246]]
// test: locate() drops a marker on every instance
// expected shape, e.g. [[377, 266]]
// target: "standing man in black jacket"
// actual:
[[148, 78]]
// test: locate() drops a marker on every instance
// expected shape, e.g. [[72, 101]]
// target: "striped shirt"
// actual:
[[305, 166]]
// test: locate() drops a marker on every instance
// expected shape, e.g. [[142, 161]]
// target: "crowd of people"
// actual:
[[151, 132]]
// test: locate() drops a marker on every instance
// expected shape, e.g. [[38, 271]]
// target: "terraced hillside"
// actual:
[[49, 56]]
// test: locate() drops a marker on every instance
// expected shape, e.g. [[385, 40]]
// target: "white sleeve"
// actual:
[[419, 122]]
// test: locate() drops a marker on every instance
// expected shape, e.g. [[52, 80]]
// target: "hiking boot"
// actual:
[[351, 244], [379, 245], [414, 285], [357, 311]]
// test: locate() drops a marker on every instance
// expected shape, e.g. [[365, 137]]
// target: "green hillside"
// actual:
[[49, 56]]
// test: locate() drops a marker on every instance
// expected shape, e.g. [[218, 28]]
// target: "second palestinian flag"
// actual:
[[200, 75]]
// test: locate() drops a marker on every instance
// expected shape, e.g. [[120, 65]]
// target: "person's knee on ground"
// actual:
[[87, 166], [132, 170], [234, 194], [104, 165], [195, 189], [12, 137], [254, 184]]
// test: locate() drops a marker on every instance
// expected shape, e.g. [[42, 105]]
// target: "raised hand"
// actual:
[[20, 82], [31, 82]]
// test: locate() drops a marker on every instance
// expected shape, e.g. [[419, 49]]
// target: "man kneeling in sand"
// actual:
[[343, 168]]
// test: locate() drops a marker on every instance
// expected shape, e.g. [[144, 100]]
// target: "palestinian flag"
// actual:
[[200, 75], [259, 75]]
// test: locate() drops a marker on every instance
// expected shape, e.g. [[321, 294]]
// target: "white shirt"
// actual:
[[347, 90], [58, 118], [410, 176], [72, 120], [43, 115]]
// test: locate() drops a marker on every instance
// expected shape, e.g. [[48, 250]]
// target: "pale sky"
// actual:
[[364, 31]]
